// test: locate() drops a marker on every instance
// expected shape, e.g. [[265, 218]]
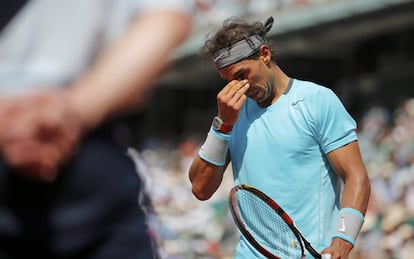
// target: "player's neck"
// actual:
[[281, 82]]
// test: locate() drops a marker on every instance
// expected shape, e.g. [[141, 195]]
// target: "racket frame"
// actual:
[[233, 205]]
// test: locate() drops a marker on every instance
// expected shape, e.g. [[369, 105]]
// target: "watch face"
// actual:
[[217, 122]]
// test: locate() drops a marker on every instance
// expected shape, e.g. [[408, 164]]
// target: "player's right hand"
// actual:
[[230, 100]]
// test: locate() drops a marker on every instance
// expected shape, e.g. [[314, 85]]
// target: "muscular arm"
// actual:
[[205, 178], [125, 72], [347, 162]]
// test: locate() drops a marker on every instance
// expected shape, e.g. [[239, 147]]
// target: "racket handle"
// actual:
[[326, 256]]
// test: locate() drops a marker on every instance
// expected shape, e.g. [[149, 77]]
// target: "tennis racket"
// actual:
[[266, 226]]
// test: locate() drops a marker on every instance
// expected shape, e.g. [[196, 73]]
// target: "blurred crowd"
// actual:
[[211, 12], [182, 226], [387, 145]]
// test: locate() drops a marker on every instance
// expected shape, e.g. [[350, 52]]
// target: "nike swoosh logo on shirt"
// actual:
[[294, 103]]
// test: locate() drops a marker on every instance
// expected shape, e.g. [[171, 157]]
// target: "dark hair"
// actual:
[[233, 30]]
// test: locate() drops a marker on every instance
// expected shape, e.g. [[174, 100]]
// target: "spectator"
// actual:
[[68, 71]]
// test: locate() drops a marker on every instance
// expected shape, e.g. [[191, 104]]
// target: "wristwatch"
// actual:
[[220, 126]]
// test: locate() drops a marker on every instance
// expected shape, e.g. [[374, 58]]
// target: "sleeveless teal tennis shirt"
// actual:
[[281, 150]]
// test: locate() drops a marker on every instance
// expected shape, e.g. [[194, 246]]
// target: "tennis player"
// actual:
[[292, 139]]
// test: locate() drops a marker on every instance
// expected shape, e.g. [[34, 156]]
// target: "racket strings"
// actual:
[[267, 227]]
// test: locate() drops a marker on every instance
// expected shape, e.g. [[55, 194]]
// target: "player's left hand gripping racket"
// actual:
[[267, 226]]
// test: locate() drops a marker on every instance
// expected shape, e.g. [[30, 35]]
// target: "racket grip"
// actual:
[[326, 256]]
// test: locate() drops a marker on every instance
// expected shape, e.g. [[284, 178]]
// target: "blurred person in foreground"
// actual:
[[292, 139], [69, 70]]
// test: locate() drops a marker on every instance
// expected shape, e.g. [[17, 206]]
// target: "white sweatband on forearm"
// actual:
[[214, 150], [349, 223]]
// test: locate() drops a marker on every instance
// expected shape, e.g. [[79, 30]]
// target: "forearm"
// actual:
[[356, 193], [354, 200], [205, 178], [125, 72]]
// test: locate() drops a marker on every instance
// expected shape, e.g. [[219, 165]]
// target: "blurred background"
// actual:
[[362, 49]]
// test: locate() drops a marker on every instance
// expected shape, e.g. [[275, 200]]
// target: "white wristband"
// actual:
[[214, 150], [349, 223]]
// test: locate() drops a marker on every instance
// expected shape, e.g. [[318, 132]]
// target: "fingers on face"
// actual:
[[237, 103], [234, 91]]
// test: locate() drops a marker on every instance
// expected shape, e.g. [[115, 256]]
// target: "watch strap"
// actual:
[[220, 126], [225, 128]]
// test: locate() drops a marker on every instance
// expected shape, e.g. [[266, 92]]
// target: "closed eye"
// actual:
[[241, 74]]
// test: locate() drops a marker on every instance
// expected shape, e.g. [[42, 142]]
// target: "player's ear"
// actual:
[[265, 54]]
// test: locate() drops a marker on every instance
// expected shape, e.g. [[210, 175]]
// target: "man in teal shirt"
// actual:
[[292, 139]]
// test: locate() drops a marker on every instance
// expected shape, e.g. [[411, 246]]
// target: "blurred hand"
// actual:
[[38, 134]]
